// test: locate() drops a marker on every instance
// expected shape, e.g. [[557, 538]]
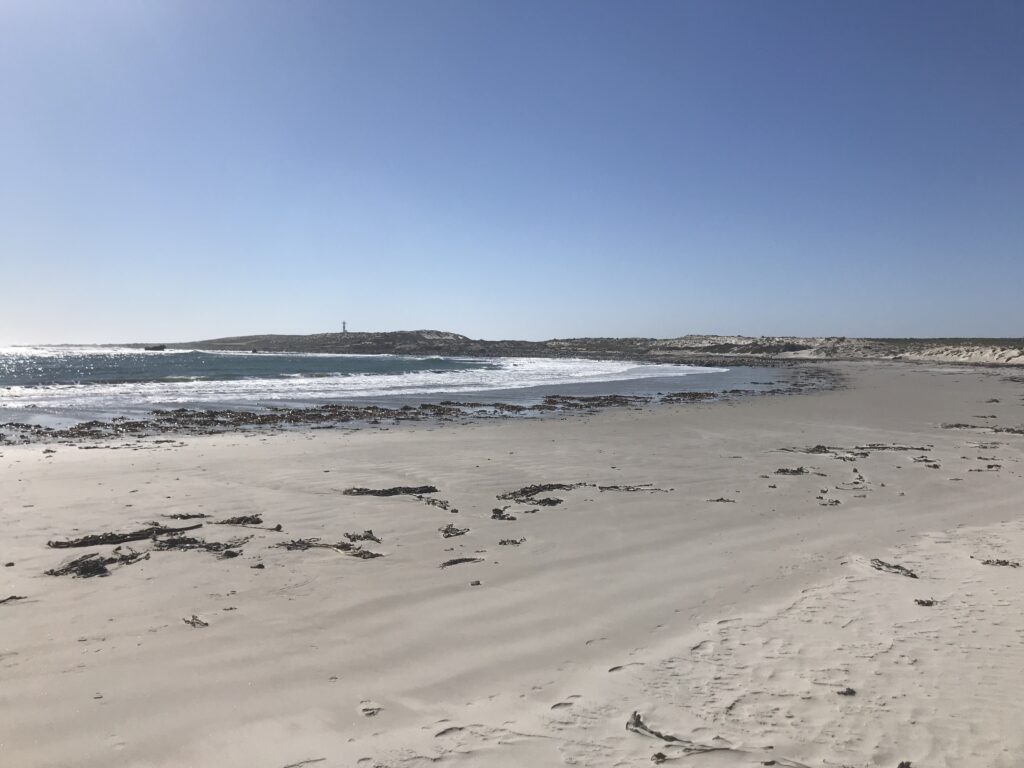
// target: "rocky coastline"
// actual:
[[691, 349]]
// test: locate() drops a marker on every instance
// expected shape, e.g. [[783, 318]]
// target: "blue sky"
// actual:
[[182, 170]]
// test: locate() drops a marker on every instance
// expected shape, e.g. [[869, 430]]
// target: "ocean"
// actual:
[[61, 384]]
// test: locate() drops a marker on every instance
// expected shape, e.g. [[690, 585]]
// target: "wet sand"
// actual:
[[682, 577]]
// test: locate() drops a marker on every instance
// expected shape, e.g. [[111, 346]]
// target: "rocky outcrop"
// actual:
[[707, 350]]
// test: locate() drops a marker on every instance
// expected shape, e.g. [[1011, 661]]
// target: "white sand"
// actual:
[[728, 625]]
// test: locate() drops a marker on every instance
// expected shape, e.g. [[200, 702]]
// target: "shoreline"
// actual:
[[535, 401], [691, 567]]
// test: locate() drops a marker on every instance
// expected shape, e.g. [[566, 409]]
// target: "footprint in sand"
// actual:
[[369, 708]]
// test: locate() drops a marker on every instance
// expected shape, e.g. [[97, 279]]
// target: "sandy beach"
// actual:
[[825, 579]]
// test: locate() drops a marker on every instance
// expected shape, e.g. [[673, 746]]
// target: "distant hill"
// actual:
[[732, 349]]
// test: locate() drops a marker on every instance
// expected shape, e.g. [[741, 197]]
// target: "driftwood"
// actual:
[[881, 565], [460, 560], [95, 564], [893, 447], [12, 598], [398, 490], [97, 539]]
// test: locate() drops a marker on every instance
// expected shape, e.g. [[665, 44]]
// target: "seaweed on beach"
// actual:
[[398, 490], [528, 494], [12, 598], [440, 503], [796, 471], [240, 520], [344, 547], [224, 549], [643, 488], [577, 402], [688, 397], [881, 565], [723, 500], [449, 531], [499, 513], [636, 724], [186, 516], [95, 564], [1000, 562], [98, 539], [511, 542], [366, 535]]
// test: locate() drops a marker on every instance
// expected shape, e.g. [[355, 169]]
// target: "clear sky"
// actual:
[[180, 170]]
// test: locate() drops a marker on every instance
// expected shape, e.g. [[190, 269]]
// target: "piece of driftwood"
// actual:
[[97, 539], [460, 560], [305, 762], [398, 490], [881, 565], [12, 599]]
